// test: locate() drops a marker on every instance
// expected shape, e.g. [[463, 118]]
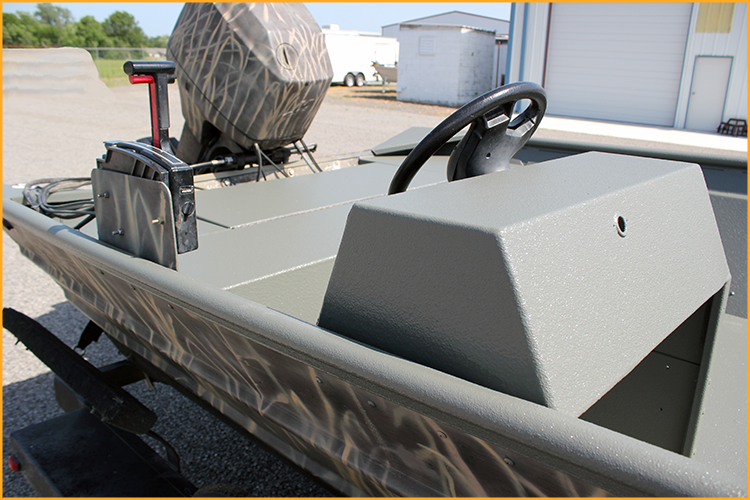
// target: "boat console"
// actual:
[[552, 282]]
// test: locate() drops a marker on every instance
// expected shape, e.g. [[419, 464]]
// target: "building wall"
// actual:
[[527, 45], [499, 63], [616, 61], [475, 64], [391, 31], [458, 68], [732, 44], [527, 55]]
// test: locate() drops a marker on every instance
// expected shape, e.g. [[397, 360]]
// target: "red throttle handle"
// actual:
[[157, 74]]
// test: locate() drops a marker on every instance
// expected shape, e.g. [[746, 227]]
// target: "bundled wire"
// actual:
[[37, 195]]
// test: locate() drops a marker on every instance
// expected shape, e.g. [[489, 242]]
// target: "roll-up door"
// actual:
[[619, 62]]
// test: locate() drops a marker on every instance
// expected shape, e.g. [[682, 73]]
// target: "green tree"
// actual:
[[123, 30], [53, 15], [89, 32], [49, 35], [53, 26], [158, 41], [50, 26], [19, 29]]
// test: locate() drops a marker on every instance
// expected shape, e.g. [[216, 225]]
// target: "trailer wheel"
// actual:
[[349, 80], [360, 80]]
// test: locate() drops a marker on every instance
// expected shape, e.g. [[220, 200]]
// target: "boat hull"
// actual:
[[364, 421]]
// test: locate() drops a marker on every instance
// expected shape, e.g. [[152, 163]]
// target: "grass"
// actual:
[[110, 68], [110, 71]]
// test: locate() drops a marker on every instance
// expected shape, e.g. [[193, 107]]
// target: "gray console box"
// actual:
[[549, 282]]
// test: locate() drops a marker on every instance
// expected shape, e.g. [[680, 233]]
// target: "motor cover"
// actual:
[[256, 72]]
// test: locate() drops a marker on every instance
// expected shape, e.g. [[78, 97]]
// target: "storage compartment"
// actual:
[[549, 282]]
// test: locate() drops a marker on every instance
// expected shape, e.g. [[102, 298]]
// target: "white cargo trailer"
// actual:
[[353, 52]]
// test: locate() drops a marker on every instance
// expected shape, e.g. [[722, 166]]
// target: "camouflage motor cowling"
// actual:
[[256, 72]]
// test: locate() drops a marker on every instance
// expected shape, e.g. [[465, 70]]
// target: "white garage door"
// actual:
[[619, 62]]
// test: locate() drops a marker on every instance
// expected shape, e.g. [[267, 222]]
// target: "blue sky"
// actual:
[[159, 18]]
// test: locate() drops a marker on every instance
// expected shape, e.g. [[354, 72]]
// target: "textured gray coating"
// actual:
[[300, 222], [72, 126], [653, 403], [252, 203], [721, 437], [725, 174], [520, 281], [731, 217], [297, 292], [300, 240]]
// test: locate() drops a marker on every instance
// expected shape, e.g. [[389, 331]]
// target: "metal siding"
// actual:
[[618, 62], [510, 62], [428, 79], [459, 70], [734, 45], [475, 75], [499, 26]]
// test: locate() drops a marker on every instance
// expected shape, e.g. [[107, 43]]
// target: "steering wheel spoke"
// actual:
[[491, 141], [501, 120]]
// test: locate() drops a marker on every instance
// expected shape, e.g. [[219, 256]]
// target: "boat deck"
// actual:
[[284, 235]]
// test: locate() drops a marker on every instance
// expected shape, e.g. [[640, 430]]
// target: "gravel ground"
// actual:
[[50, 132]]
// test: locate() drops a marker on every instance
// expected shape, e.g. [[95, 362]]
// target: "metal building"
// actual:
[[449, 58], [446, 65], [673, 64], [453, 18]]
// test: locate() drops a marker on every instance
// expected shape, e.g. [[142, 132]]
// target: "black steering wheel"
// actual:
[[492, 139]]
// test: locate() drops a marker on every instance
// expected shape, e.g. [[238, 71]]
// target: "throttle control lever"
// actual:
[[157, 74]]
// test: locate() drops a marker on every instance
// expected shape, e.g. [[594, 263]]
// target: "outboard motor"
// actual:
[[251, 78]]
